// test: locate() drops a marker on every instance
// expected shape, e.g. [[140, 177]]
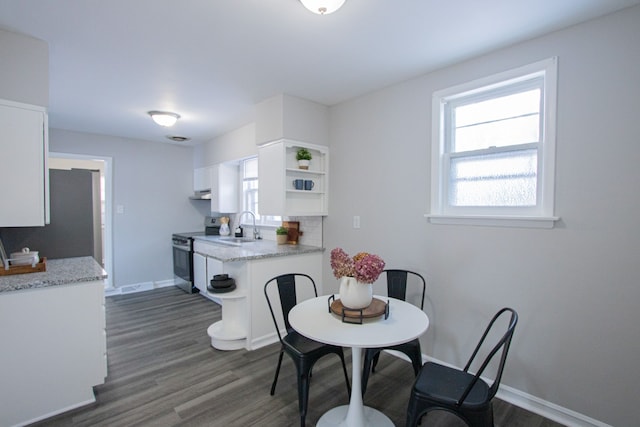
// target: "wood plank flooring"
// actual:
[[164, 372]]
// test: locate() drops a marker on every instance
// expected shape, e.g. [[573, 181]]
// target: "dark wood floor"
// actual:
[[164, 372]]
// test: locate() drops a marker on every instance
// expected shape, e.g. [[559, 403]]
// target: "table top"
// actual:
[[312, 319]]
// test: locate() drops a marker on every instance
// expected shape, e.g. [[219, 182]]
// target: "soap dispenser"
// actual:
[[238, 231]]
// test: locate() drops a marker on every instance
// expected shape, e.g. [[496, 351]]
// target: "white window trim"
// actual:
[[545, 218]]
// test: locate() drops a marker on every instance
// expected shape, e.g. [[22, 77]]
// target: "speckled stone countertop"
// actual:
[[59, 272], [246, 251]]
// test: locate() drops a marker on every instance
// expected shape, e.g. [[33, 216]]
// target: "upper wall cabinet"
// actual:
[[224, 188], [23, 165], [202, 179], [222, 179], [286, 189]]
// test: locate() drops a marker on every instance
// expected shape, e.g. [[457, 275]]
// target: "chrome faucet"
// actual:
[[256, 233]]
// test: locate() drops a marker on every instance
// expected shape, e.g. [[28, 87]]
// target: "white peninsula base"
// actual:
[[53, 350]]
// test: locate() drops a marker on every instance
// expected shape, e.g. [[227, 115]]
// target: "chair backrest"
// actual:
[[397, 284], [286, 286], [503, 343]]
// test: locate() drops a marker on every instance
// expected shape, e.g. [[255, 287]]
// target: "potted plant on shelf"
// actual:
[[281, 235], [303, 156]]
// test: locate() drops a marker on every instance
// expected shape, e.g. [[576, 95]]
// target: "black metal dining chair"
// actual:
[[439, 387], [303, 351], [397, 288]]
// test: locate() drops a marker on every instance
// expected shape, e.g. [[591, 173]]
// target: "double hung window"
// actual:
[[493, 152]]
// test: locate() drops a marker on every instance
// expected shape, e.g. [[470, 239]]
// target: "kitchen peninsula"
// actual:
[[246, 320], [52, 330]]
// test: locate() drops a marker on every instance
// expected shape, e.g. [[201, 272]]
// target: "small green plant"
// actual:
[[303, 154], [282, 230]]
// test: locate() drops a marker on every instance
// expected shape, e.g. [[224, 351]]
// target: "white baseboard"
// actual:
[[263, 341], [531, 403], [139, 287], [164, 284]]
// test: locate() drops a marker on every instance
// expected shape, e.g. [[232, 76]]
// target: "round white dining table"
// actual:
[[313, 319]]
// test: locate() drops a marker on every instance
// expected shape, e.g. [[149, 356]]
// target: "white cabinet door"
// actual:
[[200, 272], [22, 165], [224, 188], [202, 179]]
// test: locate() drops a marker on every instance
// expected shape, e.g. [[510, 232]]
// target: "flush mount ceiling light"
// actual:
[[164, 118], [322, 7]]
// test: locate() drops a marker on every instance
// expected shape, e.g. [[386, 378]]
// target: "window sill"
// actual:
[[494, 220]]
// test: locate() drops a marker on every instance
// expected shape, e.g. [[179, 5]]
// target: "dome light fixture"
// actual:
[[164, 118], [322, 7]]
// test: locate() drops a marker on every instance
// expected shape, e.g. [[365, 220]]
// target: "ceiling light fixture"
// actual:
[[322, 7], [164, 118], [177, 138]]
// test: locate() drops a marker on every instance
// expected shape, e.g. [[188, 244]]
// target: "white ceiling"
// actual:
[[211, 61]]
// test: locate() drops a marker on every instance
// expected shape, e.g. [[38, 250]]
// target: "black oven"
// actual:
[[183, 253], [183, 260]]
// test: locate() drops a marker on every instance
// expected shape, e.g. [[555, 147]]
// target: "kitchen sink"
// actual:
[[235, 241]]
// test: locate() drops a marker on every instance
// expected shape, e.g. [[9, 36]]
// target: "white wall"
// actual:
[[24, 74], [231, 146], [576, 287], [152, 182]]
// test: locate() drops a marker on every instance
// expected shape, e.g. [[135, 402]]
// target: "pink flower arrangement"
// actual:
[[364, 267]]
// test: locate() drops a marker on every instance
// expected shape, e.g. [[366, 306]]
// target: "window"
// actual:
[[249, 174], [493, 152]]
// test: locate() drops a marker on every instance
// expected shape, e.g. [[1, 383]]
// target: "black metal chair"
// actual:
[[439, 387], [396, 288], [303, 351]]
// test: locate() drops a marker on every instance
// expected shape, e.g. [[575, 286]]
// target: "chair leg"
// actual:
[[369, 356], [303, 395], [275, 378], [412, 417], [346, 376], [416, 360], [375, 361]]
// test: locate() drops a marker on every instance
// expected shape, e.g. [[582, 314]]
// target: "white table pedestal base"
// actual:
[[337, 417], [355, 414]]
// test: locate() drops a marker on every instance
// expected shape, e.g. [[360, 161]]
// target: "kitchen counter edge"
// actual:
[[59, 272], [259, 249]]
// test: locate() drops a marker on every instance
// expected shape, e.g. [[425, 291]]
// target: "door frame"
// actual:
[[108, 217]]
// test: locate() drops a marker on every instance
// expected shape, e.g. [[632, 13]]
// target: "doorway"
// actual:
[[103, 165]]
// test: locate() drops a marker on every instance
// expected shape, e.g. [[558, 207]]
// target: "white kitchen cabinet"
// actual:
[[222, 180], [23, 165], [53, 350], [224, 188], [202, 179], [246, 319], [200, 272], [278, 168]]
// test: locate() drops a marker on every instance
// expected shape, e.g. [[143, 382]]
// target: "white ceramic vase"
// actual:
[[354, 294]]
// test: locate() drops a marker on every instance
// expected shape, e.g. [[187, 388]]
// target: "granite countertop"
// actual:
[[246, 251], [59, 272]]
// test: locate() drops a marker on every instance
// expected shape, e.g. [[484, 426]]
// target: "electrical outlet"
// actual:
[[120, 209], [356, 221]]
